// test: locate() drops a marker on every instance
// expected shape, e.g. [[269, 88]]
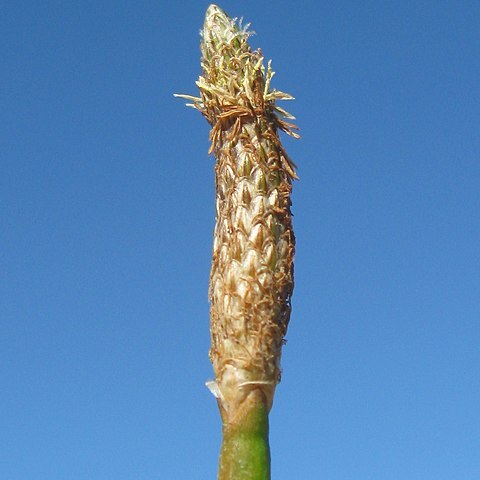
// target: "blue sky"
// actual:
[[107, 211]]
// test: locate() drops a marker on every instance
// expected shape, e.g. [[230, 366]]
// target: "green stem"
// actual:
[[245, 453]]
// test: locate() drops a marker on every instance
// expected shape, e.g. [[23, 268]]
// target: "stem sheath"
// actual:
[[245, 452]]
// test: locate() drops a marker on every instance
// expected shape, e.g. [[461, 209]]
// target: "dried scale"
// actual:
[[251, 280]]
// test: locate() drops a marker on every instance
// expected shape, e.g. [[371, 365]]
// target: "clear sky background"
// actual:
[[107, 211]]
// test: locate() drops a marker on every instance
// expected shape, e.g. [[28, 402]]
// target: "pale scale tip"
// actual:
[[216, 16], [214, 10]]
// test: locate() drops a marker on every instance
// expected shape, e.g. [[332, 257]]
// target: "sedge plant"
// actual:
[[251, 281]]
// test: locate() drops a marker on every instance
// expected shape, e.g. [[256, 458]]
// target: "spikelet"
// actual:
[[251, 280]]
